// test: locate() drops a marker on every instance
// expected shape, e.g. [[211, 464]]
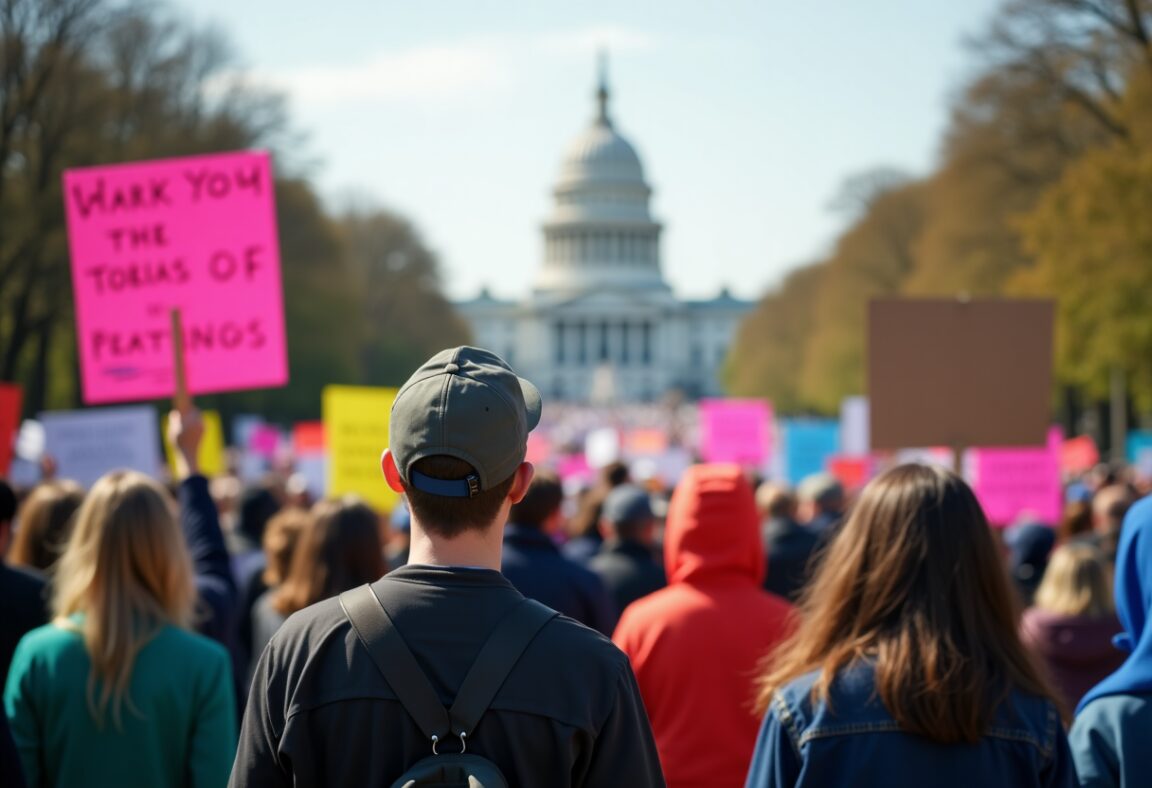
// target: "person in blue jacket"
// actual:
[[906, 668], [1110, 736]]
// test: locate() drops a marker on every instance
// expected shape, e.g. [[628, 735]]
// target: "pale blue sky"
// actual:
[[747, 115]]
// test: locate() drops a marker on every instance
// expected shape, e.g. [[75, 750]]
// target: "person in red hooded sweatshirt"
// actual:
[[696, 645]]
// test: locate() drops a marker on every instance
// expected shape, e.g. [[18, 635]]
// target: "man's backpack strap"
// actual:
[[395, 660], [392, 656], [495, 661]]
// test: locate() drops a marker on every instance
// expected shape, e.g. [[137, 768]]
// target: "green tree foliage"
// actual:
[[768, 353], [404, 316], [803, 345], [1091, 235], [1041, 188], [871, 259], [86, 82], [319, 307]]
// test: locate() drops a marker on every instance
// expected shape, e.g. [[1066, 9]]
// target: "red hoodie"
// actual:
[[695, 645]]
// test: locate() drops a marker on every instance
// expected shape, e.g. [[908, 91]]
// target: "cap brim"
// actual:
[[532, 403]]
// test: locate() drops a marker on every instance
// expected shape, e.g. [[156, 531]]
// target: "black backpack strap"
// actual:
[[395, 660], [392, 656], [497, 657]]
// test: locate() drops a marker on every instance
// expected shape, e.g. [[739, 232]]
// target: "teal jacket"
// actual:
[[1109, 741], [182, 732]]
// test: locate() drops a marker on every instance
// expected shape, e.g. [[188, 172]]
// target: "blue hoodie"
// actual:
[[1109, 736]]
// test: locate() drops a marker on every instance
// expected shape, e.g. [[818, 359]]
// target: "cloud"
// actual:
[[460, 69], [594, 39], [463, 68]]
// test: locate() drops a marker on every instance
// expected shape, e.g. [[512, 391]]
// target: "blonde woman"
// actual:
[[118, 690], [1072, 621]]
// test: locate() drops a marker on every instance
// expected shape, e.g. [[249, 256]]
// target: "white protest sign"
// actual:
[[854, 439], [86, 444]]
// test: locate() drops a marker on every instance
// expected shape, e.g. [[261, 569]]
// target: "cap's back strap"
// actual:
[[467, 487]]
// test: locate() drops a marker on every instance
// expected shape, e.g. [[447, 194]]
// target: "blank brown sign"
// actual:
[[944, 372]]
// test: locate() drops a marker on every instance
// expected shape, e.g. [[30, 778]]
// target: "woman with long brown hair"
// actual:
[[339, 548], [44, 525], [906, 668]]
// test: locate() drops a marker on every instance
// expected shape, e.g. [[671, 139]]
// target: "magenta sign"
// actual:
[[197, 234]]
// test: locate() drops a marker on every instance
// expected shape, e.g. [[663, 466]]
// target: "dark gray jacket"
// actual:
[[320, 713]]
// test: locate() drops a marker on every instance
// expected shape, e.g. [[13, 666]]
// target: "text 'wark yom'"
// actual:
[[196, 234]]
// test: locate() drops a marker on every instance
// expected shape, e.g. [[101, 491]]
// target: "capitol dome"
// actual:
[[601, 154], [600, 232], [601, 323]]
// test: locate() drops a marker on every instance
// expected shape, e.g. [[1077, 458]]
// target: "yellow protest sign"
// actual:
[[356, 429], [211, 454]]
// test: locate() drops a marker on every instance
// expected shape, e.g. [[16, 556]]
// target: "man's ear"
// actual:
[[522, 478], [391, 474]]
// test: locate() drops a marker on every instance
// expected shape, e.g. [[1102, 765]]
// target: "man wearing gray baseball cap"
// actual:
[[568, 713]]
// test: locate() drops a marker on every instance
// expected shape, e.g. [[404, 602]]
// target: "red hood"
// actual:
[[712, 527]]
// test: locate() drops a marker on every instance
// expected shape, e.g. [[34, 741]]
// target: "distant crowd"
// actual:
[[776, 636]]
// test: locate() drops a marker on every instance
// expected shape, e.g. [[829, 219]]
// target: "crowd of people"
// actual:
[[728, 631]]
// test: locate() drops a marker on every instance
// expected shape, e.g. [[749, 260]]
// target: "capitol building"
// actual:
[[601, 324]]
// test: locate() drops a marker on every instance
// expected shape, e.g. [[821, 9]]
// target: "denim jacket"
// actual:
[[855, 741]]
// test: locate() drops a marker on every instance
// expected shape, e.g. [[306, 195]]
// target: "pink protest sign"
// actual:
[[574, 466], [264, 440], [1012, 483], [735, 430], [198, 234], [539, 449]]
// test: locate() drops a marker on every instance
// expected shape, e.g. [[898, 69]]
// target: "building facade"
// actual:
[[601, 324]]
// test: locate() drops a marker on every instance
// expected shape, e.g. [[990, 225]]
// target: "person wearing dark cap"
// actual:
[[568, 713], [626, 562], [535, 565]]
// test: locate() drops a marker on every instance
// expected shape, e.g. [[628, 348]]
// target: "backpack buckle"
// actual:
[[463, 743]]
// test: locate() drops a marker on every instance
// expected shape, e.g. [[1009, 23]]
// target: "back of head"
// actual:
[[7, 503], [776, 501], [1077, 582], [823, 490], [1029, 546], [281, 536], [1075, 520], [1109, 506], [614, 474], [627, 511], [45, 523], [542, 501], [257, 506], [457, 435], [913, 583], [712, 529], [126, 569], [340, 548]]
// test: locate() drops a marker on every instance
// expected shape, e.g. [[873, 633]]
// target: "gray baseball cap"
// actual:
[[467, 403]]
